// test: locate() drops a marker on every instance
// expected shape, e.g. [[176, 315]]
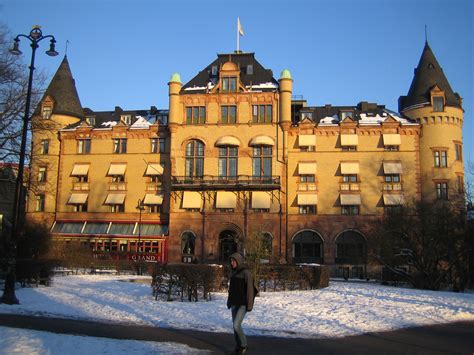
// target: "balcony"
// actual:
[[240, 182], [154, 186], [117, 186], [307, 186], [346, 186], [80, 186], [392, 186]]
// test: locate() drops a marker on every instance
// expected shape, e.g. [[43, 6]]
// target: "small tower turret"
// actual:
[[59, 107], [432, 103]]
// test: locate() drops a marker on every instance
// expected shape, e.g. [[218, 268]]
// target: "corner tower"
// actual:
[[432, 103], [59, 108]]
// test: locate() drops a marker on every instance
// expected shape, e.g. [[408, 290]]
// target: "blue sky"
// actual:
[[123, 52]]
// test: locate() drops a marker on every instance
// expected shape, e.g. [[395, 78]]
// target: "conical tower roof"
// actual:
[[62, 89], [428, 74]]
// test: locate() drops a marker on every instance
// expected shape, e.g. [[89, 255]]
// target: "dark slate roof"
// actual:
[[320, 112], [100, 118], [260, 75], [428, 74], [63, 90]]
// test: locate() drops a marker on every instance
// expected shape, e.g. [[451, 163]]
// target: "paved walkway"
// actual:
[[453, 338]]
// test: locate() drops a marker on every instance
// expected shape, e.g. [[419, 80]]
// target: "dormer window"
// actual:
[[229, 84], [344, 114], [91, 120], [249, 69], [438, 104], [126, 118], [306, 116], [214, 70], [46, 112]]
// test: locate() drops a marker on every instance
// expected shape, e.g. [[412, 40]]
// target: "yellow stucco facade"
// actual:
[[233, 161]]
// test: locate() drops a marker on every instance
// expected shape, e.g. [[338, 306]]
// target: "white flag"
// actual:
[[239, 27]]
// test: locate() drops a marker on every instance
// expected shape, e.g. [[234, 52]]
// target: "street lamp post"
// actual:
[[140, 207], [34, 37]]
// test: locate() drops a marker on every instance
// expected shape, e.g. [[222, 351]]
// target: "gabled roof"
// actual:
[[62, 89], [258, 77], [427, 75]]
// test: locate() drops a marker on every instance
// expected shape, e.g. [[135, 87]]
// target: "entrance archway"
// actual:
[[227, 244], [307, 247]]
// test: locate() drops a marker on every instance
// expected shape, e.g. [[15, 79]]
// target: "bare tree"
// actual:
[[431, 239], [13, 89]]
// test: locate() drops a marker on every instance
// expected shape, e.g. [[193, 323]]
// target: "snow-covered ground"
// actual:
[[341, 309], [32, 342]]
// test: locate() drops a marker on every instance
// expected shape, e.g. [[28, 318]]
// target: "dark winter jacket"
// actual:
[[242, 291]]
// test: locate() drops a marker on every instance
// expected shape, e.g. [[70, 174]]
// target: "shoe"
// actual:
[[242, 350]]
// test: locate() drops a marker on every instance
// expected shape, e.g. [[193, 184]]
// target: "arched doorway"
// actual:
[[307, 247], [351, 254], [227, 244], [188, 242]]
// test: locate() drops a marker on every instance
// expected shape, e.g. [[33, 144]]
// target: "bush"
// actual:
[[293, 277], [186, 281]]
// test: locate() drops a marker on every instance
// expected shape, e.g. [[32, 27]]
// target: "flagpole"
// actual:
[[238, 36]]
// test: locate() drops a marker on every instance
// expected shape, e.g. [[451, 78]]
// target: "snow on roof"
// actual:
[[196, 88], [329, 120], [268, 85], [109, 123], [141, 122]]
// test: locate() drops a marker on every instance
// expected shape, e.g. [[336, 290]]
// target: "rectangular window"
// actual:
[[214, 70], [262, 161], [440, 158], [46, 113], [44, 149], [262, 113], [118, 178], [228, 114], [117, 208], [40, 203], [229, 84], [249, 69], [460, 184], [227, 166], [349, 178], [120, 146], [307, 178], [42, 174], [195, 115], [153, 208], [307, 209], [392, 148], [392, 178], [80, 207], [349, 148], [158, 145], [393, 209], [83, 146], [126, 118], [350, 210], [438, 104], [442, 190], [81, 178], [458, 148]]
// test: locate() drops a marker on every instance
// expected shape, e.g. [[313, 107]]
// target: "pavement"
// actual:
[[450, 338]]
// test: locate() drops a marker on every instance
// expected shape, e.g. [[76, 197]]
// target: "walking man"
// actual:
[[241, 297]]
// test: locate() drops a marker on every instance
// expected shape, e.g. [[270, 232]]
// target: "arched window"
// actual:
[[351, 248], [307, 248], [227, 244], [188, 242], [194, 159], [228, 161], [262, 161]]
